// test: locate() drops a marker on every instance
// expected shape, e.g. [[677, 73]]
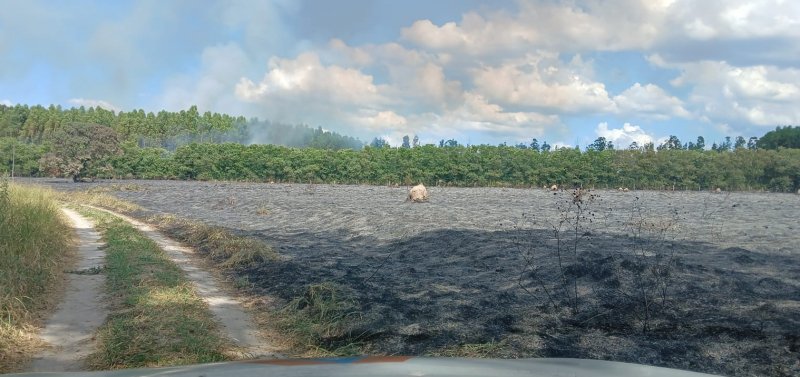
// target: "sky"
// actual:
[[476, 71]]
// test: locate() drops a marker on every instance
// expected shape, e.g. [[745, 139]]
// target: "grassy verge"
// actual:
[[156, 317], [35, 246]]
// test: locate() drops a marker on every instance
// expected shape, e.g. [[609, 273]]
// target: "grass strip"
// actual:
[[156, 317], [35, 248]]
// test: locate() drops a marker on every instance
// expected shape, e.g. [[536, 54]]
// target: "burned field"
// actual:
[[694, 280]]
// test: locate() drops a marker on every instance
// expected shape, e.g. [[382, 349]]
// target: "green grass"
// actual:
[[35, 246], [156, 317]]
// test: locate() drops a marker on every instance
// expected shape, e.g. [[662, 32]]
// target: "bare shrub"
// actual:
[[644, 265], [632, 282], [556, 269]]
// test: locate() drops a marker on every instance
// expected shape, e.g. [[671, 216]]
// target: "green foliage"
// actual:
[[781, 137], [80, 149], [741, 169], [167, 130], [23, 158]]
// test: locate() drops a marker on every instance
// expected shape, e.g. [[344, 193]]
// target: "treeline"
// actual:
[[168, 130], [740, 169]]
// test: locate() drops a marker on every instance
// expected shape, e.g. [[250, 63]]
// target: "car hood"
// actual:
[[395, 366]]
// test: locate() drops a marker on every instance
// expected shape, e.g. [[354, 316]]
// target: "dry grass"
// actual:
[[98, 199], [226, 249], [116, 187], [36, 246]]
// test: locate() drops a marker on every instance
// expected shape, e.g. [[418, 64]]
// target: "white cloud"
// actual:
[[306, 78], [563, 25], [737, 18], [380, 120], [479, 114], [650, 101], [543, 81], [624, 136], [6, 102], [759, 95], [92, 103]]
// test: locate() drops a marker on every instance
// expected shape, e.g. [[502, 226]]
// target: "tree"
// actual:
[[634, 146], [415, 141], [701, 143], [739, 143], [673, 143], [726, 145], [599, 144], [545, 147], [406, 142], [535, 144], [786, 137], [79, 150], [752, 144], [379, 142]]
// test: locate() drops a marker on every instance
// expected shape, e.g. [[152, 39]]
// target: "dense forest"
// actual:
[[189, 145], [165, 129]]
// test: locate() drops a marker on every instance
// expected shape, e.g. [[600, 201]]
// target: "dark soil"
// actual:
[[475, 266]]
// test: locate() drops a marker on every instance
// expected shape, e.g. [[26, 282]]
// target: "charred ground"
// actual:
[[454, 274]]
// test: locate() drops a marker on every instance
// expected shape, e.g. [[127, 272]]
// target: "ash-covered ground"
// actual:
[[694, 280]]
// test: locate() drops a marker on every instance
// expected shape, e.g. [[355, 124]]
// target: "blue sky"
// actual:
[[478, 71]]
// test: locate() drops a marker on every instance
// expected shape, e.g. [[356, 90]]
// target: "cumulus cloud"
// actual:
[[6, 102], [651, 101], [623, 137], [760, 95], [563, 25], [307, 78], [85, 102], [380, 120], [543, 81]]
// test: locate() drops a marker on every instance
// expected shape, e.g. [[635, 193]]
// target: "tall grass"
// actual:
[[34, 246]]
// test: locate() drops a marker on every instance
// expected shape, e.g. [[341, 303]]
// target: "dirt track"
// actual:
[[70, 330], [237, 324], [449, 272]]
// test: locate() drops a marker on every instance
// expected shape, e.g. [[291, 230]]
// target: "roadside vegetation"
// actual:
[[36, 248], [156, 317]]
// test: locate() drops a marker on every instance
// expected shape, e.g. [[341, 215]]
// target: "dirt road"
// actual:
[[236, 323], [70, 331]]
